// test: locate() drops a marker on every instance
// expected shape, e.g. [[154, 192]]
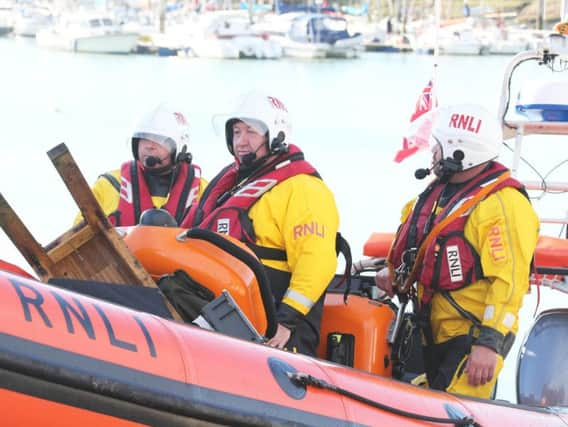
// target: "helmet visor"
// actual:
[[164, 141], [220, 123]]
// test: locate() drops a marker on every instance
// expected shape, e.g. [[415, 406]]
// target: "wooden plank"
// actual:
[[125, 263], [28, 246], [103, 257], [69, 242], [78, 186]]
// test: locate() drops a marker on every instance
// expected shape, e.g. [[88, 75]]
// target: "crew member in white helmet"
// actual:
[[272, 199], [467, 241], [161, 175]]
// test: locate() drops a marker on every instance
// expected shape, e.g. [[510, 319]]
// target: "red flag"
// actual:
[[420, 124]]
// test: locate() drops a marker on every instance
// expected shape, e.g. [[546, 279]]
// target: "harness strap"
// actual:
[[265, 252], [447, 220], [113, 181], [342, 246]]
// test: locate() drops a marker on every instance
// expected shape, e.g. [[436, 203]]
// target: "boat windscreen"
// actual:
[[542, 377]]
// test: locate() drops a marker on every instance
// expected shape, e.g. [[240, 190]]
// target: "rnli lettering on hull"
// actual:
[[77, 315]]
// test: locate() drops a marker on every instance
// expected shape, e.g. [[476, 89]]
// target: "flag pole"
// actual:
[[437, 18]]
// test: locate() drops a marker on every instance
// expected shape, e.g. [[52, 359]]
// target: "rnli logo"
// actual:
[[276, 103], [180, 119], [454, 263], [223, 225], [465, 122], [312, 228], [496, 246]]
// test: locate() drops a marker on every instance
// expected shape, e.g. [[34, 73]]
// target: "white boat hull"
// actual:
[[235, 47], [120, 43], [348, 48]]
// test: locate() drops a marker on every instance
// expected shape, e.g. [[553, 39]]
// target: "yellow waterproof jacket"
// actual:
[[503, 229], [299, 216], [108, 197]]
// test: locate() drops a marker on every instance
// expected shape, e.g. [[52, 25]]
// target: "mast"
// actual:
[[250, 11], [437, 17], [162, 16], [540, 15]]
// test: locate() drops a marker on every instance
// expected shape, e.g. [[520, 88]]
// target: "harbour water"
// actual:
[[349, 117]]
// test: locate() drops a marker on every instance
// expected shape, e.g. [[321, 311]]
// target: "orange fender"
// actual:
[[550, 251], [378, 245]]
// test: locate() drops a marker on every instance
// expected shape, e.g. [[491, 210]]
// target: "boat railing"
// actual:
[[553, 50]]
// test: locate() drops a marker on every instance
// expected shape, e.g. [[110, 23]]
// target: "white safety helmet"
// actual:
[[264, 113], [469, 129], [163, 125]]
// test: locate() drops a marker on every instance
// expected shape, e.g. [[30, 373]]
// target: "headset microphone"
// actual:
[[277, 145], [152, 161], [249, 158], [421, 173]]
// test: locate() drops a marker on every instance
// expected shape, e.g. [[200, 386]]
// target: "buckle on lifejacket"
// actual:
[[402, 272]]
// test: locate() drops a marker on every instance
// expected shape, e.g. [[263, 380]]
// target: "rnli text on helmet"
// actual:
[[465, 122]]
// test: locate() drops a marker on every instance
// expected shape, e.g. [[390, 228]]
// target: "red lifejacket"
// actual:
[[450, 261], [224, 205], [135, 196]]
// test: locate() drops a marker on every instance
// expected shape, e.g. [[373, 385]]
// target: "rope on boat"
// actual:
[[303, 380]]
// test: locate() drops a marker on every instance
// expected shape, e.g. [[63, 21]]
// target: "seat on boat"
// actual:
[[212, 260]]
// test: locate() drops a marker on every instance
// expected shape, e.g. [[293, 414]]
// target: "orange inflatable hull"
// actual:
[[66, 359]]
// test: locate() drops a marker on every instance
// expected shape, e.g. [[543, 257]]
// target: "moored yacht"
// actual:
[[320, 36], [87, 33]]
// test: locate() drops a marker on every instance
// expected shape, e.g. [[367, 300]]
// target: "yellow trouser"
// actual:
[[460, 385]]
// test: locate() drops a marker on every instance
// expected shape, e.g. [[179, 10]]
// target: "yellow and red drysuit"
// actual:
[[288, 210], [502, 232]]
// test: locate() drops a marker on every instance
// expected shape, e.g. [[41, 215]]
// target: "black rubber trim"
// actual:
[[253, 263], [560, 271]]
